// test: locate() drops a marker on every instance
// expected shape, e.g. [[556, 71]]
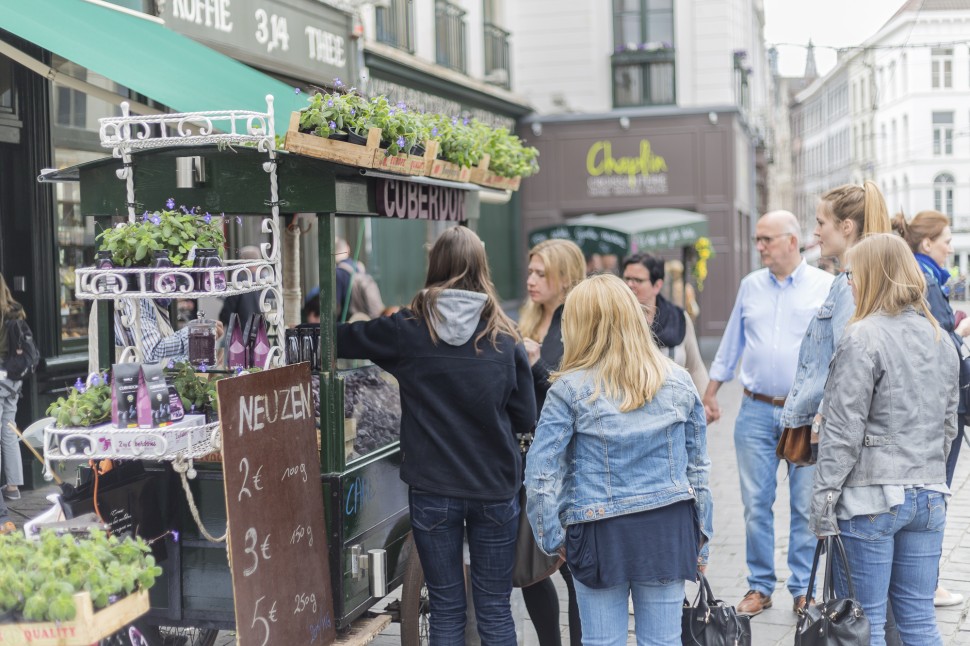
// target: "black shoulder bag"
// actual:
[[711, 622], [833, 622]]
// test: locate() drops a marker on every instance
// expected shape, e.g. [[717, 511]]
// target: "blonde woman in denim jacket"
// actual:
[[844, 215], [889, 419], [617, 477]]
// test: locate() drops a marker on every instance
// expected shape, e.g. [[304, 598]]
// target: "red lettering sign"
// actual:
[[413, 201]]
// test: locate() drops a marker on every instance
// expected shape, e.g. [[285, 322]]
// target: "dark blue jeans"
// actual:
[[439, 524]]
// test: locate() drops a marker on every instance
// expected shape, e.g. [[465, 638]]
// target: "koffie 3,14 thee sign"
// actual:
[[274, 499]]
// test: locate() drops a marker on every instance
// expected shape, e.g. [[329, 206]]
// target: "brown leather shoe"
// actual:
[[754, 603], [799, 606]]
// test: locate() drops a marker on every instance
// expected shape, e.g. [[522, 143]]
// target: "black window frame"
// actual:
[[646, 56], [395, 24]]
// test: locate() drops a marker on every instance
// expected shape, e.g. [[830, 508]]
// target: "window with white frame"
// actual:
[[942, 133], [943, 185], [941, 61]]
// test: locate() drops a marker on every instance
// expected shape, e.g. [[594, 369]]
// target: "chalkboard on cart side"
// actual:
[[274, 500]]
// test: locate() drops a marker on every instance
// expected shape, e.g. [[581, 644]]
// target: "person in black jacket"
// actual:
[[555, 267], [930, 238], [466, 392]]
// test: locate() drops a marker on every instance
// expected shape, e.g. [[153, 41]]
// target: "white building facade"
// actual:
[[909, 104]]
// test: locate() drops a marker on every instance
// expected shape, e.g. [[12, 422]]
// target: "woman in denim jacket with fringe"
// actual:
[[844, 215], [617, 475]]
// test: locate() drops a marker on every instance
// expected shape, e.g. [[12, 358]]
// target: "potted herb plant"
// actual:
[[177, 231], [198, 391], [84, 405]]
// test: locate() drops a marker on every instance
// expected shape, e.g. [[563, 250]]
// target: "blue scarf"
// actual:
[[930, 267]]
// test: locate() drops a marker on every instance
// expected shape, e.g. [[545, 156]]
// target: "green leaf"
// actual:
[[141, 251]]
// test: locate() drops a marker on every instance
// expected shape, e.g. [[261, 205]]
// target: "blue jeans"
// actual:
[[439, 524], [657, 608], [756, 433], [896, 555]]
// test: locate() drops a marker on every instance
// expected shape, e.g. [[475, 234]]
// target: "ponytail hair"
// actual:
[[926, 225], [864, 205]]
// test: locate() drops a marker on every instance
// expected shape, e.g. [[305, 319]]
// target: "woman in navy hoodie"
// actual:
[[466, 391]]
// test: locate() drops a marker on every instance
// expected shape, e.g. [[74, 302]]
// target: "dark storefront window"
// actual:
[[75, 139], [449, 24], [643, 52], [395, 24]]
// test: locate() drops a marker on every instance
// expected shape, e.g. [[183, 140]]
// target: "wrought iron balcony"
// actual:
[[395, 24], [498, 67], [450, 36]]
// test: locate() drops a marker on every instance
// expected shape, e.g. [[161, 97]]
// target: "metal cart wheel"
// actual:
[[178, 636], [415, 613]]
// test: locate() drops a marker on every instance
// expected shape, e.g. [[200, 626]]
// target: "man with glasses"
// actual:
[[772, 311]]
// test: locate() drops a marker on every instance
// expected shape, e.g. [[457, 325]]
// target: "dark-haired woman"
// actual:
[[930, 239], [9, 394], [466, 391]]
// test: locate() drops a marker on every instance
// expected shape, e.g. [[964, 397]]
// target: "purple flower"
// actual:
[[238, 219], [195, 209], [402, 105], [337, 82], [330, 103], [144, 217], [391, 112], [434, 131], [207, 218], [79, 386], [239, 369], [156, 220], [400, 142], [95, 380], [464, 121], [175, 535], [332, 124], [104, 377], [171, 364], [296, 90], [203, 367], [353, 111], [170, 203], [454, 121]]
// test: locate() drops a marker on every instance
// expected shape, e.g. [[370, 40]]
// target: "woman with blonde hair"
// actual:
[[466, 394], [617, 476], [555, 267], [888, 421]]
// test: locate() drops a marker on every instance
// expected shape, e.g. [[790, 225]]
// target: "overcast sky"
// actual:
[[836, 23]]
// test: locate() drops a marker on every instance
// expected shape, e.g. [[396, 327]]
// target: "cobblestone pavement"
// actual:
[[727, 572]]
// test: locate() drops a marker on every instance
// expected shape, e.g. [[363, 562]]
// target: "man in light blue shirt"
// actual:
[[774, 306]]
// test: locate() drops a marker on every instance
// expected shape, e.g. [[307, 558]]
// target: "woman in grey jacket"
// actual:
[[889, 417]]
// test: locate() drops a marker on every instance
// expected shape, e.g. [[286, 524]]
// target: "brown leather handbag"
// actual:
[[795, 446]]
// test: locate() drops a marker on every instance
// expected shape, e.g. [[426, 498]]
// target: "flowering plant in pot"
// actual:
[[399, 132], [84, 405], [132, 244], [461, 141]]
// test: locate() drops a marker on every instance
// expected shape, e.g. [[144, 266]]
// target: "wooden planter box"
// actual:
[[341, 152], [484, 177], [88, 627], [441, 169]]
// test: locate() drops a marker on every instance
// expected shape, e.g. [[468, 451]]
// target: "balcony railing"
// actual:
[[449, 22], [395, 24], [498, 68]]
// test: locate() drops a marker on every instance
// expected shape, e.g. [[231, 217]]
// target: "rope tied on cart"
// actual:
[[182, 467]]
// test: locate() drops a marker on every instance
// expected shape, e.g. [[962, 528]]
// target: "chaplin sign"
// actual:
[[307, 40], [611, 173]]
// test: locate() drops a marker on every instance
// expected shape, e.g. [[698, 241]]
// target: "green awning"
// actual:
[[140, 53], [622, 234]]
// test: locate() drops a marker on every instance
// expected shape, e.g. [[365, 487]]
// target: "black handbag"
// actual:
[[833, 622], [711, 622]]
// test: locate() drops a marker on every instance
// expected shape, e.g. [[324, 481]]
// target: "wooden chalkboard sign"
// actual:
[[274, 500]]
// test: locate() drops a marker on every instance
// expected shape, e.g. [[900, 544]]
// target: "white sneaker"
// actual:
[[944, 598]]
